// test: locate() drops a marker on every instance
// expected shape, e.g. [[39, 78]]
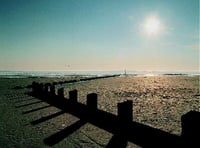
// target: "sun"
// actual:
[[152, 25]]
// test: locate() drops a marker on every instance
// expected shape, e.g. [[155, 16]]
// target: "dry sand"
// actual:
[[158, 101]]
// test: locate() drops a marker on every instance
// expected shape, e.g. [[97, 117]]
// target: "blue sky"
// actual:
[[98, 35]]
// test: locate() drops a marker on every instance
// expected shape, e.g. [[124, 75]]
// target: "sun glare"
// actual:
[[152, 25]]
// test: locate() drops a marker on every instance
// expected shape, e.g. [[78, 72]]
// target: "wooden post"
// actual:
[[37, 87], [61, 92], [125, 111], [73, 95], [52, 89], [47, 87], [190, 123], [55, 83], [92, 101], [34, 87], [41, 87]]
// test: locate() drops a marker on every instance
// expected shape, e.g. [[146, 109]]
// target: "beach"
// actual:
[[158, 101]]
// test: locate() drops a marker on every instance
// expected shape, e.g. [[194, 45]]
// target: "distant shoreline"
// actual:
[[34, 77], [60, 74]]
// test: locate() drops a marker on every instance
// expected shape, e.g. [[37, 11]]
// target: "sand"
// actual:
[[158, 101]]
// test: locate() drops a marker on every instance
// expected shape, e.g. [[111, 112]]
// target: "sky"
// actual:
[[99, 35]]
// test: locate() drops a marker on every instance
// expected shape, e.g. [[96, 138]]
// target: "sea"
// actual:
[[32, 74]]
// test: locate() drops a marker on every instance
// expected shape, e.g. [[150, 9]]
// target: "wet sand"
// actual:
[[158, 101]]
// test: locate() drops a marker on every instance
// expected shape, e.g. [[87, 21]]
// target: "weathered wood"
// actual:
[[73, 95], [125, 111], [61, 92], [92, 101], [190, 123]]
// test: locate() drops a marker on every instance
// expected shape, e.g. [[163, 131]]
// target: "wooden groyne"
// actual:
[[64, 83], [121, 125]]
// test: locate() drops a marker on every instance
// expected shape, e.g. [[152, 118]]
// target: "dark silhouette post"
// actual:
[[34, 86], [52, 89], [47, 87], [41, 88], [92, 101], [61, 92], [37, 88], [125, 112], [73, 95], [191, 128], [55, 83]]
